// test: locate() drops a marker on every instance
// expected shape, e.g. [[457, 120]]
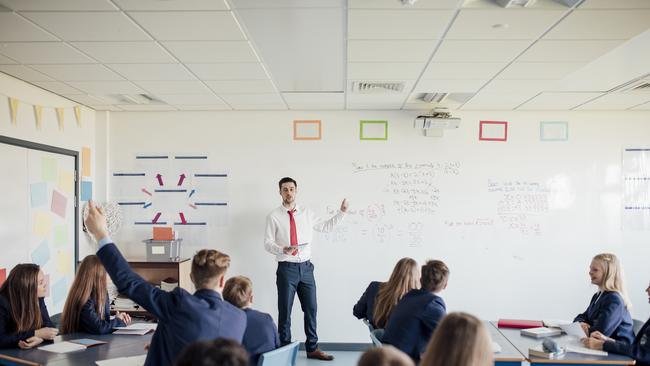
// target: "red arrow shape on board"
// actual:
[[193, 206], [155, 219], [160, 180], [181, 179], [182, 215], [145, 191]]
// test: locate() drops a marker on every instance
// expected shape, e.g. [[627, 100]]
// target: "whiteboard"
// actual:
[[38, 218]]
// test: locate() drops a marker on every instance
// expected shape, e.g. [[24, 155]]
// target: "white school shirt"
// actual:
[[278, 236]]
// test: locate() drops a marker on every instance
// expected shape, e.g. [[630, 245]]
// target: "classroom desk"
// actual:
[[117, 346], [509, 355], [523, 343]]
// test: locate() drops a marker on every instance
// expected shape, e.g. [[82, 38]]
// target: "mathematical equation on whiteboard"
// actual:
[[520, 204]]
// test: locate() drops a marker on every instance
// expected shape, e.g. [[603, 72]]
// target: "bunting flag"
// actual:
[[38, 115], [60, 117], [13, 106], [77, 114]]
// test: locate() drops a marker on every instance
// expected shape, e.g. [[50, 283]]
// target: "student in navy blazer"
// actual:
[[417, 315], [608, 309], [24, 320], [183, 318], [379, 299], [639, 349], [87, 308], [261, 334]]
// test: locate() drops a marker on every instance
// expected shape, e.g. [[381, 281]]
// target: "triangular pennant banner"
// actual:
[[13, 107], [77, 114], [59, 117], [38, 114]]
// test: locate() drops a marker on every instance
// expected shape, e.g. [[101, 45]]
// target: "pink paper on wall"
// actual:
[[59, 203]]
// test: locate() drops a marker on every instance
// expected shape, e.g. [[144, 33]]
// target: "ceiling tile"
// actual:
[[171, 5], [557, 101], [390, 51], [58, 87], [259, 107], [313, 98], [173, 87], [539, 70], [110, 108], [59, 5], [601, 24], [24, 73], [642, 107], [257, 4], [252, 99], [89, 26], [188, 25], [86, 72], [567, 51], [519, 86], [317, 107], [462, 70], [618, 4], [87, 99], [397, 24], [498, 101], [379, 106], [389, 100], [218, 107], [392, 4], [479, 51], [43, 53], [147, 108], [125, 52], [384, 70], [449, 85], [615, 102], [515, 23], [106, 87], [190, 99], [14, 28], [211, 51], [6, 60], [229, 71], [152, 71], [241, 86]]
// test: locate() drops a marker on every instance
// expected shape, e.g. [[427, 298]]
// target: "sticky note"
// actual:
[[48, 169], [38, 194], [61, 235], [42, 224], [41, 255], [66, 181], [3, 275], [59, 203], [59, 291], [85, 162], [86, 190], [64, 262]]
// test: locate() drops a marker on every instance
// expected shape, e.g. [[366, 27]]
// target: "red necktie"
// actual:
[[292, 231]]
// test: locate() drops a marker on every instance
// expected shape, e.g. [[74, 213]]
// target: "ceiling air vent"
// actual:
[[434, 97], [644, 87], [366, 87], [636, 86]]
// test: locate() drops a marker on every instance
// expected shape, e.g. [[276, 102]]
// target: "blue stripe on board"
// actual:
[[637, 149], [131, 203], [128, 174], [637, 207], [152, 157], [191, 157], [211, 175], [147, 205], [191, 223], [150, 223], [211, 204], [170, 190]]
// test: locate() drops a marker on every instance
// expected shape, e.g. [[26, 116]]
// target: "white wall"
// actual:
[[495, 272]]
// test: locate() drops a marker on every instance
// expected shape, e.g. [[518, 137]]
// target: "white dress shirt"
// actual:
[[278, 236]]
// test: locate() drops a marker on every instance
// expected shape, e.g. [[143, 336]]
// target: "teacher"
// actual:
[[288, 236]]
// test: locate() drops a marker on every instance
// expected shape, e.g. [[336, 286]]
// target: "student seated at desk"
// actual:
[[461, 339], [608, 309], [182, 317], [385, 356], [87, 308], [24, 321], [379, 299], [638, 350], [418, 313], [261, 332], [220, 352]]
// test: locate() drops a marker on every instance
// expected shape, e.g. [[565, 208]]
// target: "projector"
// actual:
[[439, 118]]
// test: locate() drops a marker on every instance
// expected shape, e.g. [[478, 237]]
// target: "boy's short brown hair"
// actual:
[[208, 265], [434, 275], [238, 291]]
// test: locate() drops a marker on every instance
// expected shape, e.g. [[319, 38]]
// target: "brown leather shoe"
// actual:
[[317, 354]]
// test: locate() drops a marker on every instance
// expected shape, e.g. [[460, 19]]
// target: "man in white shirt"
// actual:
[[289, 230]]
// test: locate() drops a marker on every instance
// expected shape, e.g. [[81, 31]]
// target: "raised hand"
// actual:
[[96, 221], [344, 205]]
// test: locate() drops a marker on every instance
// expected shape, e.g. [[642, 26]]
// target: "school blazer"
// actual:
[[91, 322], [413, 320], [183, 318], [609, 316], [638, 350], [261, 334], [364, 308], [8, 336]]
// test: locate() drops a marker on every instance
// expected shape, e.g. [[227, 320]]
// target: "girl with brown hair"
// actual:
[[87, 307], [24, 321], [378, 300]]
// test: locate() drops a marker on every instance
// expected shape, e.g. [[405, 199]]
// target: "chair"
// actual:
[[637, 325], [367, 323], [283, 356], [376, 336]]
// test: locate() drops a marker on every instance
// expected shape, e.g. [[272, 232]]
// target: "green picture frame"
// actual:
[[371, 130]]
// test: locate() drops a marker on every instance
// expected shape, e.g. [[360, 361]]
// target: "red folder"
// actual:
[[519, 323]]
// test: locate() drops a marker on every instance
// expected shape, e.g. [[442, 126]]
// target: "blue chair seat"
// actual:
[[283, 356]]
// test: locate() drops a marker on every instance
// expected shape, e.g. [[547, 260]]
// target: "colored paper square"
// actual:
[[59, 291], [3, 275], [48, 169], [61, 235], [41, 255], [64, 262], [85, 162], [47, 285], [553, 131], [86, 190], [66, 181], [59, 203], [163, 233], [307, 130], [38, 194], [493, 131], [373, 130], [42, 224]]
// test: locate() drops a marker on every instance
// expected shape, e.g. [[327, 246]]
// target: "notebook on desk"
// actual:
[[136, 329]]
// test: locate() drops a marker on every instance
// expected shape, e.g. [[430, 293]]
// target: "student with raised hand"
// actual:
[[639, 349], [608, 311], [418, 313], [182, 317], [24, 320], [87, 308], [379, 299], [220, 352], [460, 339], [385, 356], [261, 332]]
